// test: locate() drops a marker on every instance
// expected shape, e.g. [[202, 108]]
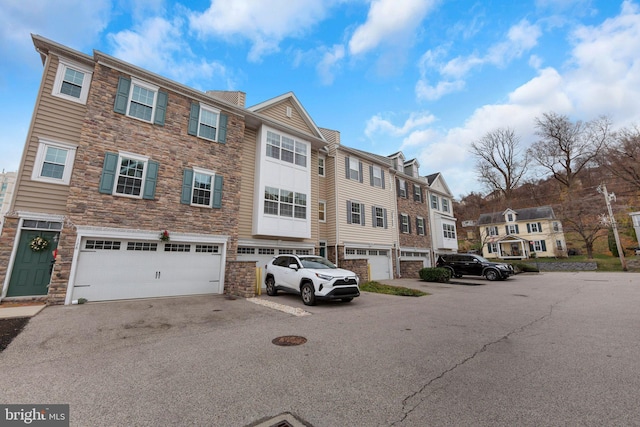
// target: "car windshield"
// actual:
[[316, 262]]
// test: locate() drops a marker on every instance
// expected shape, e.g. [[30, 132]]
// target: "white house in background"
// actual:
[[7, 183], [635, 217], [442, 222]]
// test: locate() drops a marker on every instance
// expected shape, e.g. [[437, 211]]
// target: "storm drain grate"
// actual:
[[283, 420], [289, 340]]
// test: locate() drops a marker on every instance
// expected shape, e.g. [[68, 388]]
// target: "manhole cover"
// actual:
[[288, 340]]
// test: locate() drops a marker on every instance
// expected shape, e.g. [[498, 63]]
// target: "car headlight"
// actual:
[[324, 277]]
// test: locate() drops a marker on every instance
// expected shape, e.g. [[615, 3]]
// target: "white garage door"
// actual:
[[378, 260], [124, 269]]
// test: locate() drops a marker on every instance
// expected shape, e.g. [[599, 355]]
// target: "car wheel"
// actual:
[[451, 272], [308, 294], [271, 287], [491, 275], [347, 299]]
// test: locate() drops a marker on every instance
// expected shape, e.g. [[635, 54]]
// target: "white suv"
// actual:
[[312, 277]]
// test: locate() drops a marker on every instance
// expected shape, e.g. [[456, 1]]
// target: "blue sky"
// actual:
[[427, 77]]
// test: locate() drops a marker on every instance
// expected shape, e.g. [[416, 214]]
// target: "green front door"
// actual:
[[31, 272]]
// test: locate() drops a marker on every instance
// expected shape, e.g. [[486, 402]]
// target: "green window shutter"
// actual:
[[109, 170], [489, 248], [222, 129], [122, 95], [187, 183], [150, 181], [517, 229], [217, 191], [161, 108], [528, 228], [539, 227], [193, 119], [544, 245]]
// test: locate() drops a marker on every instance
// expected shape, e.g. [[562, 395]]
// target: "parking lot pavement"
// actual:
[[548, 349]]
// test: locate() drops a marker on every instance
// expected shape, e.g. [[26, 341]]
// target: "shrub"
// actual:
[[435, 274], [521, 267]]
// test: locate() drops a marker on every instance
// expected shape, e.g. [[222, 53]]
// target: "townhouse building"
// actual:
[[132, 185], [444, 237], [522, 233], [414, 228]]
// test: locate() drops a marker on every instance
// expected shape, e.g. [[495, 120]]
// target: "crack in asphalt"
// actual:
[[407, 411]]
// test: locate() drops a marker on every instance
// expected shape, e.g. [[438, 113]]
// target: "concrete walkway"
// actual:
[[10, 312]]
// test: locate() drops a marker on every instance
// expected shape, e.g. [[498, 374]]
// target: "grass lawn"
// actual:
[[391, 290]]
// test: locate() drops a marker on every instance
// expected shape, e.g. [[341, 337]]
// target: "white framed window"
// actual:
[[285, 203], [512, 229], [509, 217], [354, 169], [449, 231], [417, 193], [538, 245], [72, 81], [130, 175], [420, 226], [376, 176], [557, 227], [356, 213], [434, 202], [559, 245], [404, 224], [445, 205], [402, 188], [287, 149], [535, 227], [492, 231], [142, 100], [202, 187], [493, 248], [322, 211], [379, 217], [321, 166], [54, 162], [208, 122]]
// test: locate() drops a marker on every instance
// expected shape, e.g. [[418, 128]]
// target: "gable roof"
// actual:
[[540, 212], [290, 96], [436, 179]]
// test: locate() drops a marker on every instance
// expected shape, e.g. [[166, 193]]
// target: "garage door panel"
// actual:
[[144, 269]]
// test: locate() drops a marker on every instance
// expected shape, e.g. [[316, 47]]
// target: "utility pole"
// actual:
[[602, 188]]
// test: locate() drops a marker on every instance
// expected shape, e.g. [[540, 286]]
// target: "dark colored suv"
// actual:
[[474, 265]]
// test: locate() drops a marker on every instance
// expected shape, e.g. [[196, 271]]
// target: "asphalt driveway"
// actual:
[[547, 349]]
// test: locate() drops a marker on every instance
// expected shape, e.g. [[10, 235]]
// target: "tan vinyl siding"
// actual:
[[363, 192], [247, 190], [330, 227], [312, 208], [56, 119], [279, 112]]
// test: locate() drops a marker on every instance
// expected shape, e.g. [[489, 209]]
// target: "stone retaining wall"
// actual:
[[564, 266]]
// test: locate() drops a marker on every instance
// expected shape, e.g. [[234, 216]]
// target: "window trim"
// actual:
[[445, 204], [405, 228], [358, 170], [209, 173], [322, 168], [322, 207], [435, 201], [375, 169], [143, 178], [43, 145], [213, 110], [402, 188], [420, 223], [148, 86], [63, 64], [449, 229]]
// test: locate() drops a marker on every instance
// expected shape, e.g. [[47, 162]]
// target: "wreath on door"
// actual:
[[39, 244]]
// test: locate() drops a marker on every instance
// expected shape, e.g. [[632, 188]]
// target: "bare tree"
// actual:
[[622, 156], [565, 148], [501, 163], [583, 217]]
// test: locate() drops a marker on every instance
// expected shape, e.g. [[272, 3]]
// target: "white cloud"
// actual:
[[158, 45], [389, 22], [330, 63], [377, 125], [75, 23], [265, 23], [520, 38]]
